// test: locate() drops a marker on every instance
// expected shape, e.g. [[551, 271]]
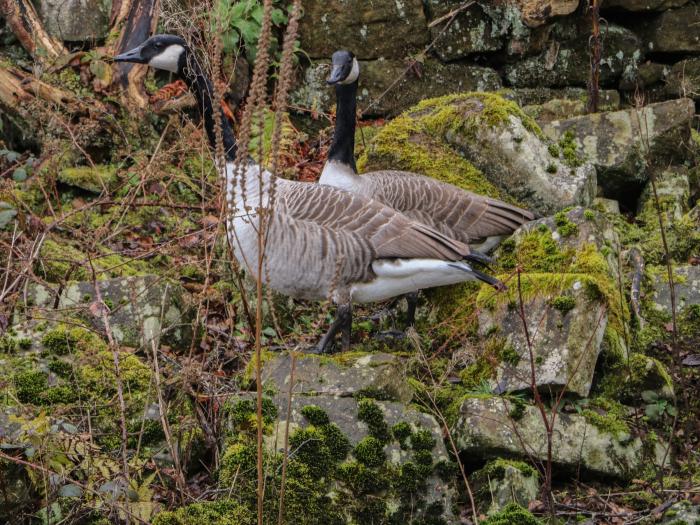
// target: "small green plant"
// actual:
[[240, 24], [656, 407]]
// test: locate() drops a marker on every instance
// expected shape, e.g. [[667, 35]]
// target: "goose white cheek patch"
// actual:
[[354, 72], [168, 59]]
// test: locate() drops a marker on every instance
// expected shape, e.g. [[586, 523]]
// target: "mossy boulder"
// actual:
[[383, 28], [564, 58], [574, 311], [139, 309], [94, 179], [485, 427], [354, 460], [483, 143], [618, 142], [502, 482], [379, 86]]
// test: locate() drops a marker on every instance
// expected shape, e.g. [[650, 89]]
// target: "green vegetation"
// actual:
[[512, 514]]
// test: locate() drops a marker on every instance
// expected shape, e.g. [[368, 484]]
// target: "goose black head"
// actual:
[[168, 52], [344, 68]]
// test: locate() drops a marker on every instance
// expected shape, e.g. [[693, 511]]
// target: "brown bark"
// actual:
[[138, 19], [25, 23], [17, 87]]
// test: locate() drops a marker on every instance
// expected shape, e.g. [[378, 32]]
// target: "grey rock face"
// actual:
[[565, 59], [142, 309], [565, 343], [502, 482], [379, 375], [684, 79], [473, 30], [671, 32], [379, 93], [673, 190], [616, 142], [645, 5], [388, 28], [681, 512], [686, 287], [485, 428], [76, 20]]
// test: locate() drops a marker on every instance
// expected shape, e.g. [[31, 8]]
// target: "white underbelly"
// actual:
[[394, 278]]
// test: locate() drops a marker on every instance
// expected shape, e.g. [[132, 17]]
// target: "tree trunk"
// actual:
[[138, 19], [25, 23]]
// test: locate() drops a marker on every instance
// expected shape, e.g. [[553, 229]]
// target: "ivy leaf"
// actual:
[[649, 396], [278, 17], [19, 175]]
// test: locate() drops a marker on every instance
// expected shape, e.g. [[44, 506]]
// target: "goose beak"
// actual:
[[131, 56], [336, 75]]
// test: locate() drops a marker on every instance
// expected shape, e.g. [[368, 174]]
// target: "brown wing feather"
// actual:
[[453, 211], [390, 233]]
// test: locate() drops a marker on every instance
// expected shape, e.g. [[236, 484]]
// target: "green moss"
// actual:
[[337, 443], [402, 432], [369, 412], [422, 440], [496, 469], [370, 452], [93, 179], [8, 344], [589, 215], [512, 514], [220, 512], [315, 415], [362, 480], [552, 168], [517, 408], [62, 339], [569, 150], [565, 227], [61, 368], [553, 150], [607, 416], [30, 386], [59, 395], [509, 355], [243, 413], [564, 303]]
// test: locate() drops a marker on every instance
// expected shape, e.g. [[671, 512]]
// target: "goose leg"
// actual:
[[412, 301], [343, 321]]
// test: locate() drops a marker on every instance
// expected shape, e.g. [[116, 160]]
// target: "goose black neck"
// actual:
[[203, 90], [343, 146]]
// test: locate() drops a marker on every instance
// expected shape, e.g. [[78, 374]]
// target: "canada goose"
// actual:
[[321, 242], [454, 212]]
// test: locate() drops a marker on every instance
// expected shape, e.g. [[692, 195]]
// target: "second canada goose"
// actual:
[[455, 212], [321, 242]]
